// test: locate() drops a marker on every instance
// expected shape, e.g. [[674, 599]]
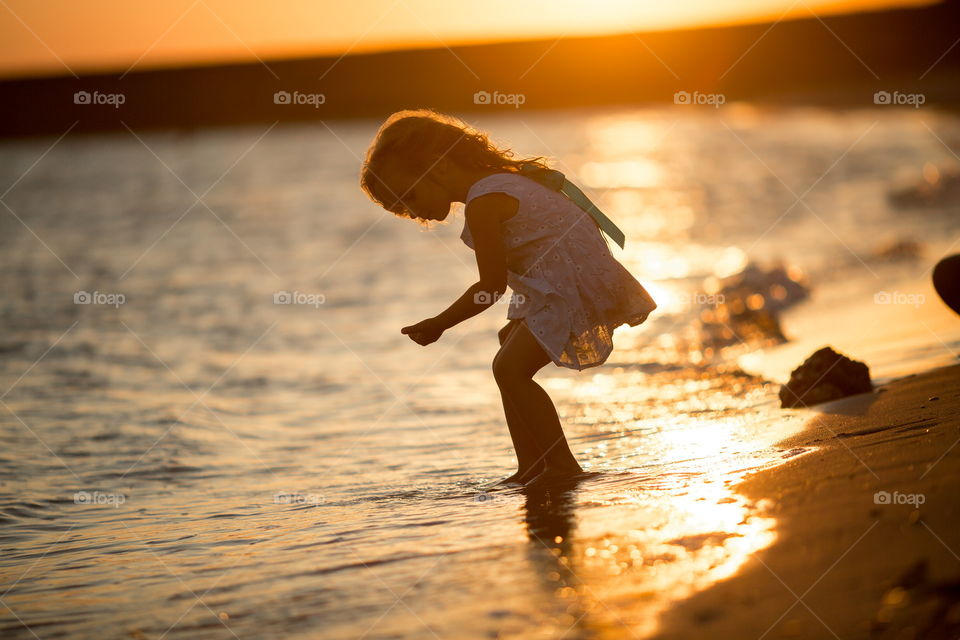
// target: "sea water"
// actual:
[[212, 427]]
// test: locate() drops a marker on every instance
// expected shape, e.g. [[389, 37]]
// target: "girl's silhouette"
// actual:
[[569, 292]]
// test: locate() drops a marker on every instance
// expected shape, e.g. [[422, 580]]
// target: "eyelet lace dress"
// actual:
[[567, 285]]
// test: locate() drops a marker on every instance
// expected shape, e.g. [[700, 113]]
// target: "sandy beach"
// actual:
[[867, 544]]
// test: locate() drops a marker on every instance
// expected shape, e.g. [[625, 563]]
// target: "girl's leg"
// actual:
[[529, 454], [530, 458], [518, 360]]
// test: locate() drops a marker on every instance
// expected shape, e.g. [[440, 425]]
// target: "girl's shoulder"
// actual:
[[512, 184]]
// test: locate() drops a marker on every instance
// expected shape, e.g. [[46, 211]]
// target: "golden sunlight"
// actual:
[[54, 36]]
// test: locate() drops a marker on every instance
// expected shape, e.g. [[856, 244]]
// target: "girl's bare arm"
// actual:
[[483, 216]]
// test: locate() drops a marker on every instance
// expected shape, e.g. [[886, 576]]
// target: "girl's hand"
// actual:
[[424, 332]]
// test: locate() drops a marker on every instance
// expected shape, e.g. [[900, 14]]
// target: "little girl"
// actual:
[[570, 293]]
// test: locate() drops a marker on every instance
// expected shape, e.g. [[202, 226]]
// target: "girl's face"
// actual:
[[423, 197]]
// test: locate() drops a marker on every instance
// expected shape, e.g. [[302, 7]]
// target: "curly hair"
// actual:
[[417, 139]]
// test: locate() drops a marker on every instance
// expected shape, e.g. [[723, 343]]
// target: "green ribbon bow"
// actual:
[[555, 180]]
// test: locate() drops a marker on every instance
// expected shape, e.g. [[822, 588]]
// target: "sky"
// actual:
[[63, 37]]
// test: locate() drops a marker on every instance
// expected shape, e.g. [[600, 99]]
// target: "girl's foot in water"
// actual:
[[558, 474], [523, 476]]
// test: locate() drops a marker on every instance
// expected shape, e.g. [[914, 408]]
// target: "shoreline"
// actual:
[[848, 561]]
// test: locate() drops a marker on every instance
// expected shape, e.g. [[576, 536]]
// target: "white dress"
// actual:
[[567, 285]]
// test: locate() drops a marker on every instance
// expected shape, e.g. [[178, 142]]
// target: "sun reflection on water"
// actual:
[[624, 547], [612, 561], [626, 173]]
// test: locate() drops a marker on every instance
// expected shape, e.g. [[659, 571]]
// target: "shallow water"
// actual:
[[199, 462]]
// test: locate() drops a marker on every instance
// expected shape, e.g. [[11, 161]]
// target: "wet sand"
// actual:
[[848, 561]]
